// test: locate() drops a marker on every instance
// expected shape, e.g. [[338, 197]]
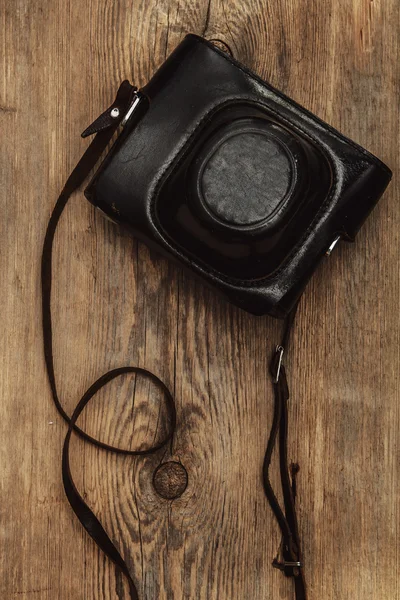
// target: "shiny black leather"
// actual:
[[225, 174]]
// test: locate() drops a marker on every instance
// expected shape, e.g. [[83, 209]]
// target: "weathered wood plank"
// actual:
[[115, 303]]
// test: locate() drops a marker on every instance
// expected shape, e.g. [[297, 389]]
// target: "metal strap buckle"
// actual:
[[279, 350], [281, 565], [132, 108]]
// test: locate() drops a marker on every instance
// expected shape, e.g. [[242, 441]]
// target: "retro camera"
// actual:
[[223, 173]]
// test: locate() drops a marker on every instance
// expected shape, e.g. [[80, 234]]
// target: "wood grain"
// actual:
[[116, 303]]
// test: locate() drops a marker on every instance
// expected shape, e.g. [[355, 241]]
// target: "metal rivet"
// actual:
[[115, 113]]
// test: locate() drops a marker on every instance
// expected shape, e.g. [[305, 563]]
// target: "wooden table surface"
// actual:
[[116, 303]]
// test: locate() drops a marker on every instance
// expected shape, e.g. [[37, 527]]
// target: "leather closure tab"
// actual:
[[115, 113]]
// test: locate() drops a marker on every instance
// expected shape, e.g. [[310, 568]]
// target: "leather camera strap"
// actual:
[[289, 556], [104, 127]]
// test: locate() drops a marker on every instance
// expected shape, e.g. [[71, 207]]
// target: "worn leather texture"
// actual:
[[234, 180]]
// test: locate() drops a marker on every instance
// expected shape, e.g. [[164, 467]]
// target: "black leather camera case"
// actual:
[[225, 174]]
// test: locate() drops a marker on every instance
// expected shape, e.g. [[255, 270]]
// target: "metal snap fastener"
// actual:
[[115, 113]]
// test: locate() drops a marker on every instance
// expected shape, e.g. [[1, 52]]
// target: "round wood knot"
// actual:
[[170, 480]]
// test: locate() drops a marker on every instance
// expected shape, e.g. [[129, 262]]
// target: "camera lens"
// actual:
[[245, 177]]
